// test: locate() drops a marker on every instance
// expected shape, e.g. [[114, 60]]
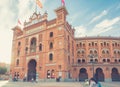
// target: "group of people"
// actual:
[[94, 83]]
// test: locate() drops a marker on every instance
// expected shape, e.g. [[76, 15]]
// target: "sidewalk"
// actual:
[[54, 84]]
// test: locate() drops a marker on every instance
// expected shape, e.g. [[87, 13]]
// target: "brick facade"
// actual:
[[48, 49]]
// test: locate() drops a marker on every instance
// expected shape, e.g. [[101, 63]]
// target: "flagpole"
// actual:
[[36, 7]]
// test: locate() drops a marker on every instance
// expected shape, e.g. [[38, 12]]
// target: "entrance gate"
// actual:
[[83, 74], [115, 75], [99, 75], [31, 70]]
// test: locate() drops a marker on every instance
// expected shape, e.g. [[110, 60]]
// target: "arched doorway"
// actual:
[[83, 74], [99, 75], [115, 75], [48, 74], [52, 74], [31, 70]]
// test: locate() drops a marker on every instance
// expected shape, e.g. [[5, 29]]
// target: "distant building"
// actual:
[[47, 49]]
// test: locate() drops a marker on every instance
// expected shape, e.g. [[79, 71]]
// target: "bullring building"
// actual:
[[47, 49]]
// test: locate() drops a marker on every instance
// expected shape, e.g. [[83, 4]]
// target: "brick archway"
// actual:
[[83, 74], [31, 75], [99, 75], [115, 75]]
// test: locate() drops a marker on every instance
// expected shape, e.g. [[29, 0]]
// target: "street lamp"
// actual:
[[92, 60]]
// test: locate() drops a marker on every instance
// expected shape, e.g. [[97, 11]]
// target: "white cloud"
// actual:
[[104, 26], [80, 31], [108, 23], [6, 24], [99, 16], [10, 11]]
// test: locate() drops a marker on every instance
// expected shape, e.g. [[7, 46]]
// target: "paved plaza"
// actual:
[[53, 84]]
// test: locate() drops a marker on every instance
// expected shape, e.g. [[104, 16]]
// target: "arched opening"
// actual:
[[31, 70], [48, 74], [40, 47], [52, 74], [83, 74], [50, 57], [33, 45], [79, 61], [51, 45], [99, 75], [115, 75]]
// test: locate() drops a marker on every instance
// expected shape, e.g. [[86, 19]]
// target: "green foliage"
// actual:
[[3, 70]]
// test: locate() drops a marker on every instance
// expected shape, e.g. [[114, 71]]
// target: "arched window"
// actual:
[[48, 74], [101, 44], [80, 44], [77, 45], [68, 59], [104, 43], [19, 43], [95, 52], [78, 52], [91, 52], [33, 45], [107, 52], [113, 44], [51, 34], [26, 50], [18, 53], [92, 43], [79, 61], [52, 74], [103, 52], [104, 60], [91, 60], [83, 60], [40, 47], [96, 60], [51, 45], [119, 53], [95, 44], [108, 60], [83, 52], [89, 44], [83, 45], [119, 60], [50, 57], [17, 62], [114, 52], [116, 60]]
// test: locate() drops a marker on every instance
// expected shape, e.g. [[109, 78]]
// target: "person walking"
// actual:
[[93, 83]]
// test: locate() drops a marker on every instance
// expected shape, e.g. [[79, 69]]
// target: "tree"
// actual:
[[3, 70]]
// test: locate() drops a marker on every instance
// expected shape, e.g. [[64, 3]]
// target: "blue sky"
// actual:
[[88, 17]]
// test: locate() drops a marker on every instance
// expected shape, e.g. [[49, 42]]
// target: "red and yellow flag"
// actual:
[[63, 2], [38, 2]]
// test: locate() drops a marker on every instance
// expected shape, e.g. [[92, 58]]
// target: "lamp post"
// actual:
[[93, 67], [92, 61]]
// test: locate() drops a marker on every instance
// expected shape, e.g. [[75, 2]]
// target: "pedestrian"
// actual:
[[99, 84], [93, 83]]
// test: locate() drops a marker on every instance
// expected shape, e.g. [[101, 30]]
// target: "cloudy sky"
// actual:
[[88, 17]]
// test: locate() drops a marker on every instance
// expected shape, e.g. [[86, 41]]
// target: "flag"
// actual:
[[63, 2], [39, 3], [19, 22]]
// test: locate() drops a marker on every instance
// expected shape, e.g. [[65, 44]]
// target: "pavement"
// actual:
[[54, 84]]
